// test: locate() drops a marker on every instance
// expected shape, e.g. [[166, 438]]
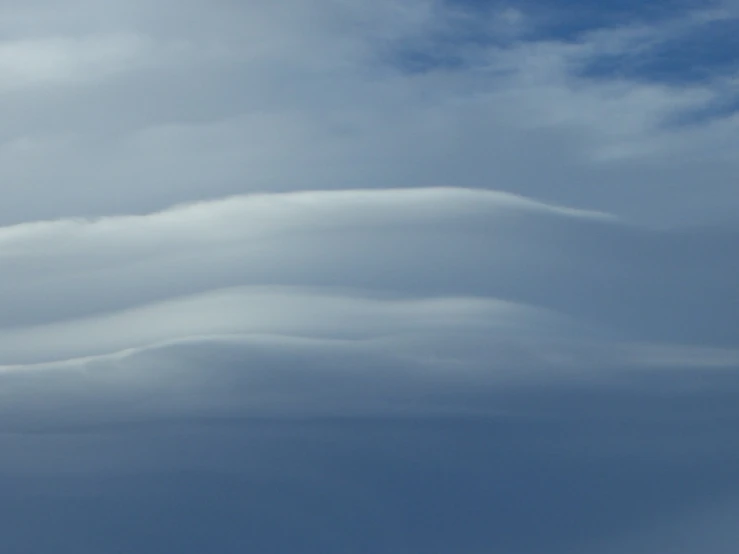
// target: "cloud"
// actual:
[[64, 277], [216, 100], [42, 62], [333, 276], [370, 303], [313, 441]]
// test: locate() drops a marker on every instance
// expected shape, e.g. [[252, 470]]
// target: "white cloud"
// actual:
[[57, 288], [262, 311], [123, 282], [44, 62], [238, 99]]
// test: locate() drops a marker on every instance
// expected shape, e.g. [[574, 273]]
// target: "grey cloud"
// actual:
[[537, 355], [464, 372], [280, 443]]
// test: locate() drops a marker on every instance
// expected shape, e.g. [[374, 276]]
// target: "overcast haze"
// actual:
[[382, 277]]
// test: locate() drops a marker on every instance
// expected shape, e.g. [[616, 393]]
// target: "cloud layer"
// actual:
[[341, 276]]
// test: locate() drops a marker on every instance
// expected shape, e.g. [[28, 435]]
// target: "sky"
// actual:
[[388, 277]]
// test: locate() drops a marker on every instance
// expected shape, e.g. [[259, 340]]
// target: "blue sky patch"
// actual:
[[704, 53], [697, 54], [566, 20]]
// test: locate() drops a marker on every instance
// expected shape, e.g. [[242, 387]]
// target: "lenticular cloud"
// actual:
[[473, 285], [348, 353], [353, 262]]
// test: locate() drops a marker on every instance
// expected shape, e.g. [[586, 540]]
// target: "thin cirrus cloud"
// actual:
[[339, 276]]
